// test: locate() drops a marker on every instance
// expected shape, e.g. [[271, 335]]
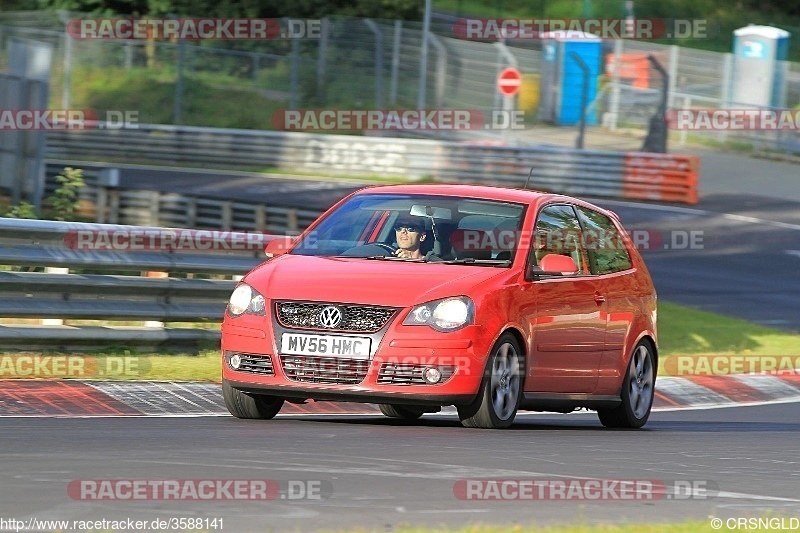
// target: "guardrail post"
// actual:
[[155, 323], [260, 218], [113, 206], [155, 207], [291, 220], [101, 205], [54, 321], [191, 212], [227, 216]]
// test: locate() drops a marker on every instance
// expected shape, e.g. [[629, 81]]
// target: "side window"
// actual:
[[557, 231], [604, 243]]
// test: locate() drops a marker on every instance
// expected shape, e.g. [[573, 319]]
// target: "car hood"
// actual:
[[376, 282]]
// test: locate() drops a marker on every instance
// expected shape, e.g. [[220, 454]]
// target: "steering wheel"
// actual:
[[369, 249], [387, 247]]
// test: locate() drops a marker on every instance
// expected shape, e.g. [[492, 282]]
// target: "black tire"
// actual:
[[501, 389], [638, 391], [406, 412], [244, 405]]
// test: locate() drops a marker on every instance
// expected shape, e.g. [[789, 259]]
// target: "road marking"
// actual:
[[793, 252], [743, 496], [754, 220]]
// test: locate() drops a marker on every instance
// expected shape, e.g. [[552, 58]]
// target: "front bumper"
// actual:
[[460, 354]]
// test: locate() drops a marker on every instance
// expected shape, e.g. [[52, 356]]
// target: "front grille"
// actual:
[[406, 374], [355, 318], [315, 369], [255, 363]]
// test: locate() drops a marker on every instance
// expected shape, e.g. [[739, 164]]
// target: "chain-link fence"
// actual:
[[370, 64]]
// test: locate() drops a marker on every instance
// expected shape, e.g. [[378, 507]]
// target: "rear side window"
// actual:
[[604, 243], [557, 231]]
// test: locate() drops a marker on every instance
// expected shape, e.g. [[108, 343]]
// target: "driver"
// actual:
[[410, 234]]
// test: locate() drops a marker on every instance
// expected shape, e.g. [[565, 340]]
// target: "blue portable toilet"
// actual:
[[561, 85], [759, 55]]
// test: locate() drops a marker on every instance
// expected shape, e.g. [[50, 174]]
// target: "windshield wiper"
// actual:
[[473, 261]]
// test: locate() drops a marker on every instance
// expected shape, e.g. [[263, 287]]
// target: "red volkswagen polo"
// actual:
[[415, 297]]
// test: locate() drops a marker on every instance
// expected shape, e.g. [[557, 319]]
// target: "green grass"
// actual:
[[682, 330], [213, 101]]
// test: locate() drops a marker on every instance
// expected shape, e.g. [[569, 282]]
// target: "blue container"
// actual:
[[562, 77]]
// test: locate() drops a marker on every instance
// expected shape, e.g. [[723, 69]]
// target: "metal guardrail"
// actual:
[[115, 297], [154, 208], [655, 176]]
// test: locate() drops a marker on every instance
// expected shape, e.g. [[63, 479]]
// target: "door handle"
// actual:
[[599, 298]]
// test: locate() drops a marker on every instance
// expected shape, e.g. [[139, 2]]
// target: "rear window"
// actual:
[[604, 243]]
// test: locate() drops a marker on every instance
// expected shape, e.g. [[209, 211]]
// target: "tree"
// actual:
[[389, 9]]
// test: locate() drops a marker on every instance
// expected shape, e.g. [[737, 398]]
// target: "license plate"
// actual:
[[325, 345]]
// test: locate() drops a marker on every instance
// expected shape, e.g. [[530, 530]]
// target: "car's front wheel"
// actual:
[[243, 405], [501, 389], [638, 391]]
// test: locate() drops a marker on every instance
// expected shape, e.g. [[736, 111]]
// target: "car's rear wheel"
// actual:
[[501, 389], [246, 405], [406, 412], [638, 391]]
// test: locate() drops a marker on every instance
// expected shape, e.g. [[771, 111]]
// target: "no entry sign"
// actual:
[[509, 81]]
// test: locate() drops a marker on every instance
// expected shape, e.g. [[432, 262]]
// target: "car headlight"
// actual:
[[448, 314], [246, 299]]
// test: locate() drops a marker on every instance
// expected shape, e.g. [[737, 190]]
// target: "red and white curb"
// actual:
[[77, 398]]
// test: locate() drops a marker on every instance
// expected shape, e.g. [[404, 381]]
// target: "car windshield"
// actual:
[[456, 230]]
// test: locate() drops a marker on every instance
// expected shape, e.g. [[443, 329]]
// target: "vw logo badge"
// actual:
[[330, 317]]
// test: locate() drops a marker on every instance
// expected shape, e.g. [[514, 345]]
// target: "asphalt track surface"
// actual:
[[743, 261], [377, 473]]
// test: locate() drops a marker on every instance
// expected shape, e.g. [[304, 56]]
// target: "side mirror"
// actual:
[[278, 246], [557, 264]]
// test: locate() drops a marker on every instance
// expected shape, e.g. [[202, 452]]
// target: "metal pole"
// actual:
[[441, 69], [294, 74], [66, 78], [615, 87], [398, 32], [176, 114], [378, 61], [322, 54], [423, 61], [656, 140], [584, 97]]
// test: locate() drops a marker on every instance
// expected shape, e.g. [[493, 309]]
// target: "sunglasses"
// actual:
[[408, 227]]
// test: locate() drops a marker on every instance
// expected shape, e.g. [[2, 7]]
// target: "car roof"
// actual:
[[485, 192], [474, 191]]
